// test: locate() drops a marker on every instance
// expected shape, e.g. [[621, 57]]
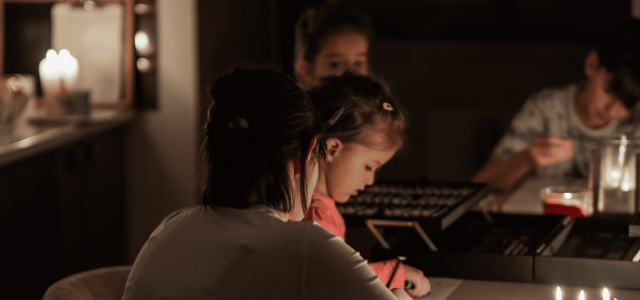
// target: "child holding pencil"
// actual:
[[364, 128]]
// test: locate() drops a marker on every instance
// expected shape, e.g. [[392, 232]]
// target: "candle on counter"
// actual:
[[56, 68], [616, 167], [605, 294], [617, 188], [58, 74], [558, 293], [68, 68], [625, 183], [581, 297], [50, 72]]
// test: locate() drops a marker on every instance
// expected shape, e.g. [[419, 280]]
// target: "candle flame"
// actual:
[[51, 54], [64, 54], [625, 187], [50, 71], [605, 294], [68, 63], [622, 150], [615, 174], [558, 293], [581, 297], [56, 67]]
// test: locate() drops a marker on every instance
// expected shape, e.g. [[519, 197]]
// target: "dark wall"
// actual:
[[27, 37], [461, 95], [232, 33]]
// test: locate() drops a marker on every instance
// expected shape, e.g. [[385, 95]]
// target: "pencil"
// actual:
[[400, 258]]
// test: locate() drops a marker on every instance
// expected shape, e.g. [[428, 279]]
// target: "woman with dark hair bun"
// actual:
[[260, 166], [330, 39]]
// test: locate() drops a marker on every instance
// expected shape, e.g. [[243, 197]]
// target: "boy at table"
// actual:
[[556, 128]]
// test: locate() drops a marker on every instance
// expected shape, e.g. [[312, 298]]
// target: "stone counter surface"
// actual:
[[34, 135]]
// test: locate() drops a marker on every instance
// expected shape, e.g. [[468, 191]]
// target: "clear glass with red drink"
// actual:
[[575, 201]]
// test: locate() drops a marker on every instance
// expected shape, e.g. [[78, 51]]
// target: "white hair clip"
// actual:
[[387, 106], [239, 122]]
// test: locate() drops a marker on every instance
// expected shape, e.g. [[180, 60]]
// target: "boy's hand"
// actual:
[[420, 283], [545, 150]]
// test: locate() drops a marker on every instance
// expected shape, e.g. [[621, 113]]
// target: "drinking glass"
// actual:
[[575, 201]]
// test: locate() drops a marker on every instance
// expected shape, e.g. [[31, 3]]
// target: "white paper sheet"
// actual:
[[95, 38]]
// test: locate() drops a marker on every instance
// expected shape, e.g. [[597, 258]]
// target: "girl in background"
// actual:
[[261, 166], [329, 40], [364, 128]]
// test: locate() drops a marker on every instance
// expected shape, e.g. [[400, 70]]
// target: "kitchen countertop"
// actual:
[[31, 135]]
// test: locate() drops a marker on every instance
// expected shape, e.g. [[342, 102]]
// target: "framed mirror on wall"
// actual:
[[99, 34]]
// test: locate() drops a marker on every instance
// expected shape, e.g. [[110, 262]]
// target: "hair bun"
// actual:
[[258, 122]]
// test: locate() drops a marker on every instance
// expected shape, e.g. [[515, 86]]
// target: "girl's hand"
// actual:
[[420, 283]]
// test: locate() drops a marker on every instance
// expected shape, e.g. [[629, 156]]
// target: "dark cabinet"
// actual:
[[62, 212]]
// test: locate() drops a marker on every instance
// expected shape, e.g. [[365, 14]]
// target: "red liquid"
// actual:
[[552, 206]]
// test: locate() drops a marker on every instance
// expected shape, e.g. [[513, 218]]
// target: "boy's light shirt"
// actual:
[[552, 112]]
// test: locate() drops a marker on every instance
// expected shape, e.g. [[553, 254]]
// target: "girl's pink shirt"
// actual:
[[323, 210]]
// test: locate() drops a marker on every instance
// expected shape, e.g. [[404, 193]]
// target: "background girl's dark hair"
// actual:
[[317, 24], [352, 109], [243, 166], [619, 54]]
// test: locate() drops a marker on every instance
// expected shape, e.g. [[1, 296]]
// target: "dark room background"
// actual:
[[461, 68]]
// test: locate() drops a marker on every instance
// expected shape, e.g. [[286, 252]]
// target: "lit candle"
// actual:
[[581, 297], [50, 72], [605, 294], [558, 293], [622, 150], [68, 68], [618, 175]]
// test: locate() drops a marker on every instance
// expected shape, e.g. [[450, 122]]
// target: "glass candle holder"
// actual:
[[572, 201], [618, 175]]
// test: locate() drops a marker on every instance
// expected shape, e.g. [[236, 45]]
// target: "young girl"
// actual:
[[364, 127], [261, 166], [330, 40]]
